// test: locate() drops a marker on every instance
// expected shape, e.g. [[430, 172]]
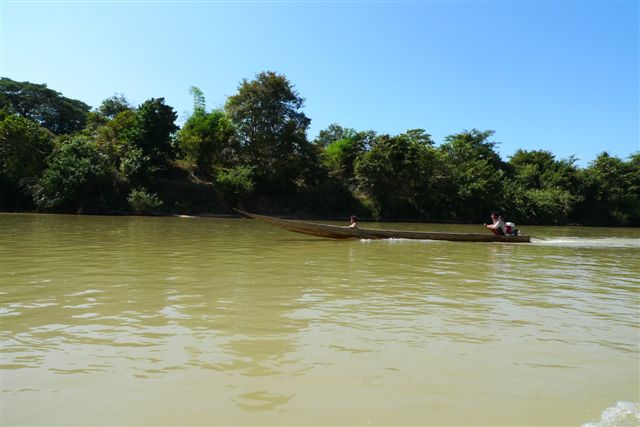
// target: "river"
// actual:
[[203, 321]]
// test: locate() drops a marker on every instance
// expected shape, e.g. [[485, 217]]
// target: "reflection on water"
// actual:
[[214, 321]]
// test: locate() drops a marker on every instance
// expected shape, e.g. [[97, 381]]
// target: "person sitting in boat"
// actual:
[[498, 227], [354, 222]]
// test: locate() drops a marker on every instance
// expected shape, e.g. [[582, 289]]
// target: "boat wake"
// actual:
[[579, 242], [622, 414]]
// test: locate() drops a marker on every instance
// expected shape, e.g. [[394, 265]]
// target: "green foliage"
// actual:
[[333, 133], [474, 174], [142, 202], [117, 139], [633, 173], [122, 128], [330, 197], [396, 174], [114, 105], [199, 102], [419, 136], [538, 205], [256, 152], [24, 147], [79, 177], [539, 169], [235, 183], [207, 139], [541, 189], [154, 129], [95, 121], [550, 205], [611, 190], [339, 157], [271, 128], [472, 145], [47, 107], [133, 167]]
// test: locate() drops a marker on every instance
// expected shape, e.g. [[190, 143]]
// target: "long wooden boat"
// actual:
[[338, 232]]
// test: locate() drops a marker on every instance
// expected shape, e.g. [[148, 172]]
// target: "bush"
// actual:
[[142, 202], [79, 177], [236, 183]]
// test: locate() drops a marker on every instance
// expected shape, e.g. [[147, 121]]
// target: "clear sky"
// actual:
[[562, 76]]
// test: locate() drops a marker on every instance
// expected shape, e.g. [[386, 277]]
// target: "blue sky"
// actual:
[[562, 76]]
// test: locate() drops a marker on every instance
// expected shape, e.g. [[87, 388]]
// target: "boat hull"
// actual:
[[337, 232]]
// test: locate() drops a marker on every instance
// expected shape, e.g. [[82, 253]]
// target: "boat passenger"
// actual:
[[498, 227], [354, 222]]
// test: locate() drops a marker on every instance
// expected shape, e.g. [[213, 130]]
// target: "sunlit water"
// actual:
[[183, 321]]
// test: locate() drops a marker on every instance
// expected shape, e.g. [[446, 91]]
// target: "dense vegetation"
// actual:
[[59, 155]]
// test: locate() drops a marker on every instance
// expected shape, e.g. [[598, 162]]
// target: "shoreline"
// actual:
[[212, 215]]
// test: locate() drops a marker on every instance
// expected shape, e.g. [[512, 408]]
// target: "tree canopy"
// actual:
[[56, 154], [207, 139], [114, 105], [46, 107], [270, 126]]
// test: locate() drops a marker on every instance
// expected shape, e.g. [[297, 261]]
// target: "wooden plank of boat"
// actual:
[[338, 232]]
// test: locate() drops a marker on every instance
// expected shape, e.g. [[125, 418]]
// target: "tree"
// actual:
[[396, 174], [47, 107], [123, 127], [199, 102], [155, 126], [474, 173], [540, 169], [207, 139], [118, 140], [79, 177], [611, 191], [540, 188], [333, 133], [271, 128], [529, 166], [24, 147], [114, 105], [339, 157], [472, 145]]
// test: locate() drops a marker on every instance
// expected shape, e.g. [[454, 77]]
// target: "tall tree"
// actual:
[[114, 105], [155, 128], [271, 127], [474, 172], [199, 101], [207, 139], [24, 147], [47, 107]]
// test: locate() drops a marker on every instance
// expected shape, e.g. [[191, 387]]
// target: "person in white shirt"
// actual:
[[497, 227]]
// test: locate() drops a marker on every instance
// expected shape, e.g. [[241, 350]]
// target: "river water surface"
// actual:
[[201, 321]]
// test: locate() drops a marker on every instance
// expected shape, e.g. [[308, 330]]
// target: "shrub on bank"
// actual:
[[142, 202]]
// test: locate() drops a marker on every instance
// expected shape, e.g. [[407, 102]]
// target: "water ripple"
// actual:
[[279, 325]]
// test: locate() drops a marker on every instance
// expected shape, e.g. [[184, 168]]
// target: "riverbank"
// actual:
[[181, 193]]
